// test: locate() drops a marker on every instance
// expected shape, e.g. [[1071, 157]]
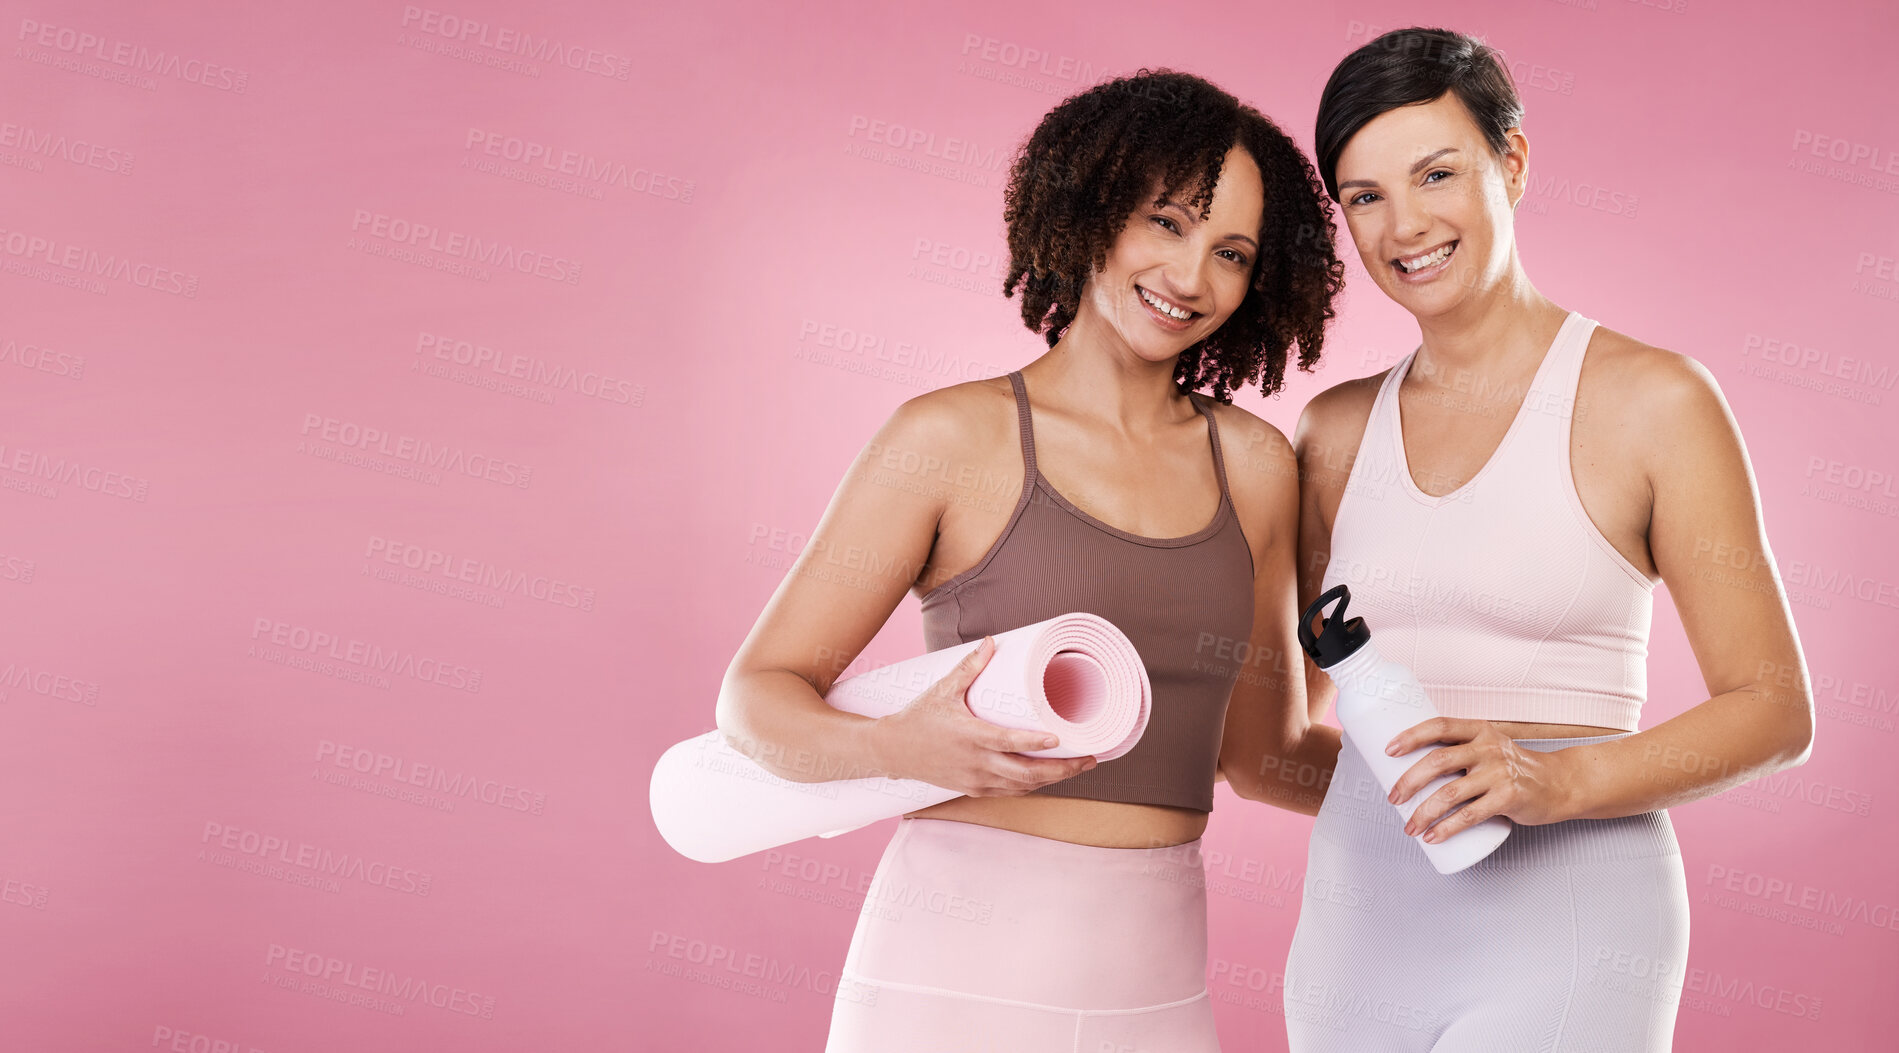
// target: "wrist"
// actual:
[[1576, 796], [875, 748]]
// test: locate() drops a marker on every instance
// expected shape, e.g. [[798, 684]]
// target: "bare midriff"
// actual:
[[1078, 820], [1519, 729], [1113, 824]]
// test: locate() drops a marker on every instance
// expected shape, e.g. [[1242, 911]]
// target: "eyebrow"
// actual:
[[1415, 169], [1166, 201]]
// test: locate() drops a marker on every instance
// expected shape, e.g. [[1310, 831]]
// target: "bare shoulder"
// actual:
[[957, 422], [1258, 456], [1650, 391], [1332, 424]]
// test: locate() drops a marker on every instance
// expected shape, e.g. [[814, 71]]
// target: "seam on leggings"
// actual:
[[946, 992], [1575, 953], [1204, 993]]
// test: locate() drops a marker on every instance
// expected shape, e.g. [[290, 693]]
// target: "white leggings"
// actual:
[[1572, 936]]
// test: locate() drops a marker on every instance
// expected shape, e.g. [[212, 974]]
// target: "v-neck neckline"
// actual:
[[1397, 416]]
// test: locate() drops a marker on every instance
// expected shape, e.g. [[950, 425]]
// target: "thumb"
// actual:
[[964, 672]]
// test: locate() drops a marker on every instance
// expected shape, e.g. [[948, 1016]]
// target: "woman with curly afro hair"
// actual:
[[1164, 238]]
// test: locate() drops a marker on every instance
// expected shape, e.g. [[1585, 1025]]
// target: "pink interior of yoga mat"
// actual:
[[1075, 685]]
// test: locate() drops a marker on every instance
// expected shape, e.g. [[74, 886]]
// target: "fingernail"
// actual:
[[1050, 742], [1392, 749]]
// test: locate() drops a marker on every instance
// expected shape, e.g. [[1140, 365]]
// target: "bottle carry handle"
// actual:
[[1338, 635]]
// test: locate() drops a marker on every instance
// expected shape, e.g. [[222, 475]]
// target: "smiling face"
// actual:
[[1430, 207], [1171, 278]]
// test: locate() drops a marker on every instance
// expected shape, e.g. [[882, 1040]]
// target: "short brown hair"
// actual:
[[1409, 66]]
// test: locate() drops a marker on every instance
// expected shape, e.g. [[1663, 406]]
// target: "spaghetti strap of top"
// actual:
[[1026, 428], [1213, 432]]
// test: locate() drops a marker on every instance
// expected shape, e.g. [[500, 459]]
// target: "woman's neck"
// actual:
[[1094, 374], [1500, 329]]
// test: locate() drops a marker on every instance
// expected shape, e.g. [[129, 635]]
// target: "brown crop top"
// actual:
[[1183, 601]]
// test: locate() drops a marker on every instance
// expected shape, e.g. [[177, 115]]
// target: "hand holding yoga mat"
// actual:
[[1074, 675]]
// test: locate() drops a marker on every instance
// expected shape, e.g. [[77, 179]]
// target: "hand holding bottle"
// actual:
[[1379, 699], [1478, 772]]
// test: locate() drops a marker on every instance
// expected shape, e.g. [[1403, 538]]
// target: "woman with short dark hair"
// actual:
[[1501, 504]]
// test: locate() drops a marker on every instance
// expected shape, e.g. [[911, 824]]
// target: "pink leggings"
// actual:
[[978, 939]]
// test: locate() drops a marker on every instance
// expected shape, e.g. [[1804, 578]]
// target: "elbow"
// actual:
[[1247, 775], [1243, 786], [1798, 745], [1794, 719], [725, 713], [728, 715]]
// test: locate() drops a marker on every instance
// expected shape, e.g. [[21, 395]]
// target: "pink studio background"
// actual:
[[209, 458]]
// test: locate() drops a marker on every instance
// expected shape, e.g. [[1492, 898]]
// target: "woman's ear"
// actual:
[[1516, 164]]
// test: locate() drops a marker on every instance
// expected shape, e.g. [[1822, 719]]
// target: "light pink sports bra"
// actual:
[[1501, 596]]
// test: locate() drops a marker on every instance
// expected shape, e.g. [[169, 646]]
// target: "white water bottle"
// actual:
[[1378, 699]]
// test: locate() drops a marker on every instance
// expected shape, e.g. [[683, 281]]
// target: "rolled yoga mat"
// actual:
[[1074, 675]]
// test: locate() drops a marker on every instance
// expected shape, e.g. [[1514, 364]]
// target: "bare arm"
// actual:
[[1331, 427], [1272, 749], [1708, 543], [864, 555]]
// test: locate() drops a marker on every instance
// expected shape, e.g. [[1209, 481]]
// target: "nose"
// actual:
[[1186, 274], [1409, 218]]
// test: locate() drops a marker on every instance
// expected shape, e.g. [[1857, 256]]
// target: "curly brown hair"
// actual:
[[1096, 156]]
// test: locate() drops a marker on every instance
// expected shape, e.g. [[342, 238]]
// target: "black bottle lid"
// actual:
[[1339, 637]]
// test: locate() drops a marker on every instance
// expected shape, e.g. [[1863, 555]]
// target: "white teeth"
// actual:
[[1424, 261], [1164, 307]]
